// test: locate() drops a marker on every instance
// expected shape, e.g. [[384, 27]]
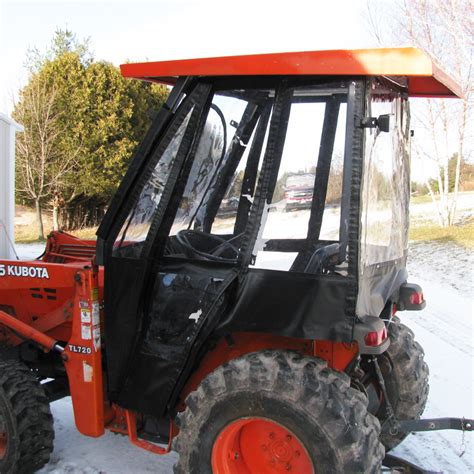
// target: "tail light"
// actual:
[[371, 335], [375, 338], [410, 298], [416, 298]]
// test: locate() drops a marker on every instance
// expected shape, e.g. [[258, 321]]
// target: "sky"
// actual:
[[122, 31]]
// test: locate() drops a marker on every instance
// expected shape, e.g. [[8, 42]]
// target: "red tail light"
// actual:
[[375, 338], [416, 298]]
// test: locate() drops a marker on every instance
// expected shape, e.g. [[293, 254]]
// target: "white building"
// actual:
[[8, 129]]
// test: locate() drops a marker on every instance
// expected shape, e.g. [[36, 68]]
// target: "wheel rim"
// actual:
[[258, 445]]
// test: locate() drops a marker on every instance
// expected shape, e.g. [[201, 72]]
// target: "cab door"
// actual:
[[193, 253], [135, 213]]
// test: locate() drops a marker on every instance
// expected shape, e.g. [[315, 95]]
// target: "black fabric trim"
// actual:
[[231, 162], [293, 245], [251, 172], [351, 194], [151, 161], [176, 183], [271, 163], [130, 312]]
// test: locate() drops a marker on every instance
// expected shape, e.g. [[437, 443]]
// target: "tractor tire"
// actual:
[[407, 382], [277, 411], [26, 424]]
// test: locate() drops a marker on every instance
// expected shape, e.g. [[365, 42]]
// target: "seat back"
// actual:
[[320, 257]]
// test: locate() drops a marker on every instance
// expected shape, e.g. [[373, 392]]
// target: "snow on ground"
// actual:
[[109, 454], [426, 212], [445, 330]]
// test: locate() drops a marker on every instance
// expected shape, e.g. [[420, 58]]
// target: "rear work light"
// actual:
[[375, 338]]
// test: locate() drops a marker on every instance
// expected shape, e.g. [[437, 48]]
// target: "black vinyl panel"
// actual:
[[185, 296], [123, 316], [291, 304]]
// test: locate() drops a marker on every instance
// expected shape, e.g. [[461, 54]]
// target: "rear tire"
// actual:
[[26, 424], [314, 406], [407, 382]]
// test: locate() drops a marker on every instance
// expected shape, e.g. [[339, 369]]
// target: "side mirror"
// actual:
[[383, 122]]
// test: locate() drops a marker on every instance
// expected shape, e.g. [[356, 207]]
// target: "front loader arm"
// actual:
[[83, 356], [57, 307]]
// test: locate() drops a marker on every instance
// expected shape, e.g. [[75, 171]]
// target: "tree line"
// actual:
[[82, 121]]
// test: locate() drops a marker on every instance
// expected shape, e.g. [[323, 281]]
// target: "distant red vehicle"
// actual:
[[299, 191]]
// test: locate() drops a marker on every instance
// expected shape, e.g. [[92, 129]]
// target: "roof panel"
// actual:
[[426, 79]]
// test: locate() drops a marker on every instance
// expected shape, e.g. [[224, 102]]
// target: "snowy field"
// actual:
[[445, 330]]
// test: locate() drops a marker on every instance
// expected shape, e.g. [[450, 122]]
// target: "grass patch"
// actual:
[[26, 228], [460, 234], [423, 199], [86, 234], [29, 234], [26, 234]]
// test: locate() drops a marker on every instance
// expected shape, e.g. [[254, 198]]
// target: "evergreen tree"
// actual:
[[95, 120]]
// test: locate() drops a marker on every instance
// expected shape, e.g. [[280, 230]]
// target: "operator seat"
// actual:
[[321, 257]]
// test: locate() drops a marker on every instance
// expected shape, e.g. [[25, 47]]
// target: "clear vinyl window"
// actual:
[[386, 184], [216, 144], [214, 207], [136, 226]]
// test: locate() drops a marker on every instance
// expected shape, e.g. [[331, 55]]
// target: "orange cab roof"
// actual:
[[425, 78]]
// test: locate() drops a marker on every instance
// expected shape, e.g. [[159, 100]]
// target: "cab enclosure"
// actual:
[[182, 272]]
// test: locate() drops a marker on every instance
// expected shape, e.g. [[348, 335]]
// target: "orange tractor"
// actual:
[[253, 341]]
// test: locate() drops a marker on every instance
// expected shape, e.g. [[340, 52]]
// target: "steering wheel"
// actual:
[[211, 247]]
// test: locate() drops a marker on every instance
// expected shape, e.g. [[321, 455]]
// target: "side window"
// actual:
[[385, 185], [307, 140], [135, 228], [217, 145], [209, 152]]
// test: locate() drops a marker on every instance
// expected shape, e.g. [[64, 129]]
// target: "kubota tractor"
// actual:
[[256, 341]]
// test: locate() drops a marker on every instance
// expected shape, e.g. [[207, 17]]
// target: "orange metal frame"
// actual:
[[337, 354], [425, 78], [48, 302]]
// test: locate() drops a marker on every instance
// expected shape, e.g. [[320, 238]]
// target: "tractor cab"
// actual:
[[250, 266], [202, 240]]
